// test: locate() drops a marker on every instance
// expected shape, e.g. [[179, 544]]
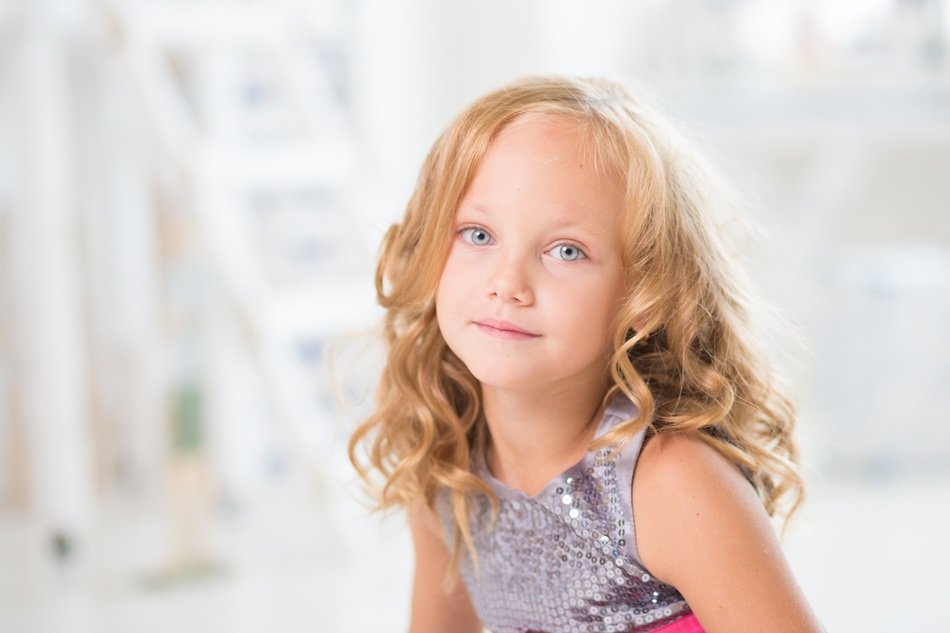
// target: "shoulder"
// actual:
[[440, 601], [675, 455], [684, 492], [424, 522], [701, 527]]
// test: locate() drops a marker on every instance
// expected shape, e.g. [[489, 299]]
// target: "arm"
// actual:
[[701, 528], [434, 610]]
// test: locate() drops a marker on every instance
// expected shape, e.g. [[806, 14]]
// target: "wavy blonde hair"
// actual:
[[683, 350]]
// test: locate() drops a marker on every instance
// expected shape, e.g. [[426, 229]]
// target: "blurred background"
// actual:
[[191, 198]]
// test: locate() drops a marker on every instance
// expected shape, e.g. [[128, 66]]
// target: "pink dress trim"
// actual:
[[689, 624]]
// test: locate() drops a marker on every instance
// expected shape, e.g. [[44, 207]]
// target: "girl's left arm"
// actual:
[[701, 527]]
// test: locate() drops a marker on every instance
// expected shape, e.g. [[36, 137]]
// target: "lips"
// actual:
[[504, 330]]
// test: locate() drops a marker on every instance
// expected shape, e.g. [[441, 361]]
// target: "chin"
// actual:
[[505, 377]]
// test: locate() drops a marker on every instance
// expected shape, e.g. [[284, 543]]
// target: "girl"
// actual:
[[574, 411]]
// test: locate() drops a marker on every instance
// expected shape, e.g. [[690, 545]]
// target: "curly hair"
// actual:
[[684, 347]]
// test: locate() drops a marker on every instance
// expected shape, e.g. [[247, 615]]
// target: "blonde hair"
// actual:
[[683, 347]]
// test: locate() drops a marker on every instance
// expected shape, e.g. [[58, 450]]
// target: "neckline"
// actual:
[[618, 407]]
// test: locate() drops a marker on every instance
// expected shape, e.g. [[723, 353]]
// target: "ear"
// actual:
[[631, 332], [639, 325]]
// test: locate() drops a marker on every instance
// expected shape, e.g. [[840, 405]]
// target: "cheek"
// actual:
[[441, 303], [446, 302], [602, 307], [454, 279]]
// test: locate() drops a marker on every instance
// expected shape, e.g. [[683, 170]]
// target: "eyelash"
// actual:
[[468, 230], [471, 229], [580, 251]]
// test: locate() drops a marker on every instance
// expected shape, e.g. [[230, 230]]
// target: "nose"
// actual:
[[510, 281]]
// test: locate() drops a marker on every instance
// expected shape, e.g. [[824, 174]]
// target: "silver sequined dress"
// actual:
[[565, 560]]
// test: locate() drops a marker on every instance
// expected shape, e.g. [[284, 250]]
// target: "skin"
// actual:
[[531, 318], [701, 527], [535, 248], [433, 609]]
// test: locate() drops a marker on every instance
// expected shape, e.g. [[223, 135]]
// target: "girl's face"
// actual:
[[534, 275]]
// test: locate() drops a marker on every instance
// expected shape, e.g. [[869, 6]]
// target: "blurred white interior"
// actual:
[[191, 197]]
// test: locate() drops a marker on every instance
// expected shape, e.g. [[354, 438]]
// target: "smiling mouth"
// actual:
[[504, 330]]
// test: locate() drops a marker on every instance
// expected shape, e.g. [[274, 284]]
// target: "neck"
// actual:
[[535, 436]]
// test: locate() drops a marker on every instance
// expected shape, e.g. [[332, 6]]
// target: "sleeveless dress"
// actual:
[[565, 560]]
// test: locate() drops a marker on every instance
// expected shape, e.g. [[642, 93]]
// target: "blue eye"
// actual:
[[567, 253], [476, 236]]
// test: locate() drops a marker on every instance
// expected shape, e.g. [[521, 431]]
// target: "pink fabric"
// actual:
[[689, 624]]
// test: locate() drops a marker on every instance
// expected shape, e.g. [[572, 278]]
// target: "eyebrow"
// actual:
[[558, 224], [564, 224], [471, 207]]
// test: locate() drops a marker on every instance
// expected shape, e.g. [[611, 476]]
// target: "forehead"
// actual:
[[554, 137], [546, 163], [547, 134], [600, 141]]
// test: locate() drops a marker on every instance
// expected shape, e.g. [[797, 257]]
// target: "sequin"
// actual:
[[564, 560]]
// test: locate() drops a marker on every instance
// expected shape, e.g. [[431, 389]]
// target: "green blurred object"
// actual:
[[169, 578], [187, 418]]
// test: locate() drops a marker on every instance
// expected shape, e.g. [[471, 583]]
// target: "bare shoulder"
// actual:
[[671, 459], [701, 527], [423, 522], [684, 488], [439, 599]]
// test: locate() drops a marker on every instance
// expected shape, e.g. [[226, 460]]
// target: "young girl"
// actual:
[[574, 411]]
